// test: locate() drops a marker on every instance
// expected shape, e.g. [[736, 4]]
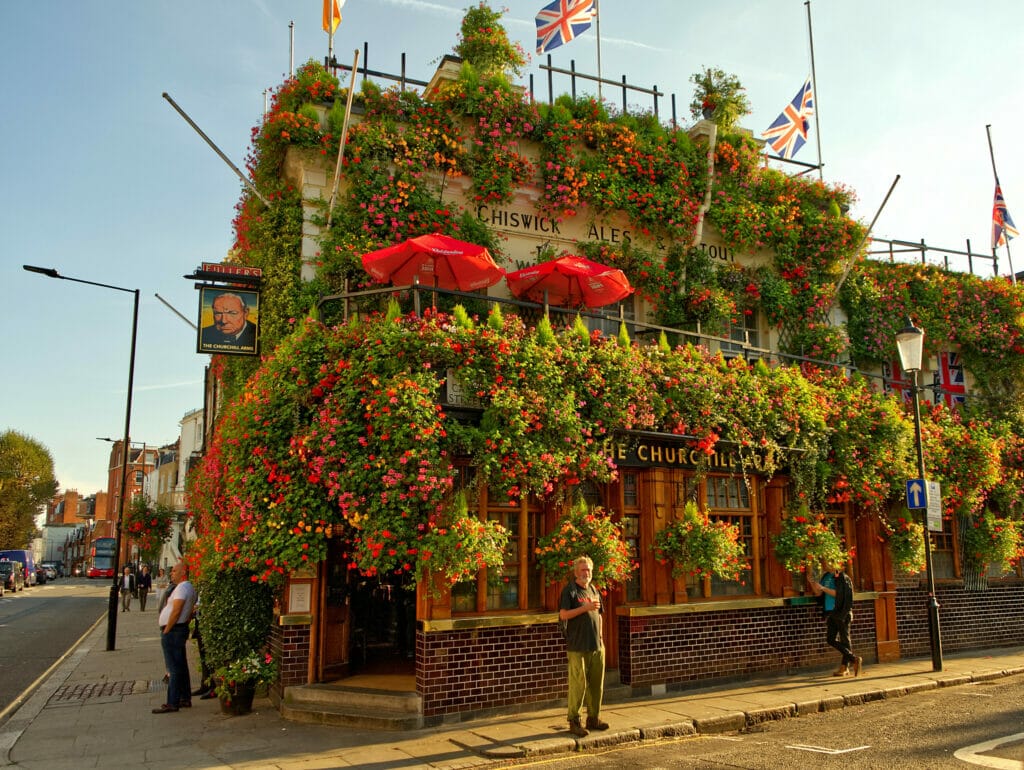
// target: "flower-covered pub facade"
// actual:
[[413, 468]]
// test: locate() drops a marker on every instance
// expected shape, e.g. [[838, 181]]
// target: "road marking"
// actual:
[[970, 754], [823, 750]]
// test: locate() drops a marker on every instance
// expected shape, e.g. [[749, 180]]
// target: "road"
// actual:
[[924, 730], [38, 625]]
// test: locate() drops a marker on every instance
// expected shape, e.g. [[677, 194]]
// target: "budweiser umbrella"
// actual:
[[570, 282], [434, 260]]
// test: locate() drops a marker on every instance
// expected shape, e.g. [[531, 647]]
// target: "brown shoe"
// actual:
[[577, 729], [856, 665], [841, 671], [594, 723]]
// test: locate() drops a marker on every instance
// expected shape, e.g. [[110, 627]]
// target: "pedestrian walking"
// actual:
[[144, 584], [838, 590], [162, 584], [127, 587], [580, 610]]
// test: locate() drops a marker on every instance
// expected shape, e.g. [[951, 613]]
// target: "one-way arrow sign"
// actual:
[[916, 497]]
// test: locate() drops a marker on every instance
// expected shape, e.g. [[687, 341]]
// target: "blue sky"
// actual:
[[105, 182]]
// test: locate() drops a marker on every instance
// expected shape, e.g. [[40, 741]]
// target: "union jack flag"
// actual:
[[561, 21], [1002, 226], [789, 131], [950, 379], [894, 379]]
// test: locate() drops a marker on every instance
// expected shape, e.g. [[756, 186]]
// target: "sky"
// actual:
[[105, 182]]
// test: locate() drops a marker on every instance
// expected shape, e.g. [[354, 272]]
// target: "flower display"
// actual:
[[149, 526], [696, 545], [990, 541], [332, 429], [806, 540], [253, 670], [906, 544], [585, 531]]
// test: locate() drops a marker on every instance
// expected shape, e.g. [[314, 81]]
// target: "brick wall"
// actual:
[[968, 620], [701, 648], [489, 670], [290, 646]]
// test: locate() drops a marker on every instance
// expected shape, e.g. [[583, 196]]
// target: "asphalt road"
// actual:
[[934, 729], [38, 625]]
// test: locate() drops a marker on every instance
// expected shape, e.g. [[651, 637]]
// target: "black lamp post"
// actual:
[[50, 272], [910, 343]]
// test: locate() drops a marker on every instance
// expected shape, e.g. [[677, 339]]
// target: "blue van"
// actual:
[[25, 557]]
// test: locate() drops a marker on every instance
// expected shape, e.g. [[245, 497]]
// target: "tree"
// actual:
[[26, 484]]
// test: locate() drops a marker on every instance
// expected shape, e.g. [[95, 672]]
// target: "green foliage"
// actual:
[[235, 613], [26, 484], [906, 543], [484, 43], [698, 546], [545, 334], [720, 95], [989, 540], [585, 532], [495, 319]]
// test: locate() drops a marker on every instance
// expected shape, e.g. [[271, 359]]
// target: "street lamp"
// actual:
[[910, 343], [50, 272]]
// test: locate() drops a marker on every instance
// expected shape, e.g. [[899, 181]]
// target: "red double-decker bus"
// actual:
[[101, 558]]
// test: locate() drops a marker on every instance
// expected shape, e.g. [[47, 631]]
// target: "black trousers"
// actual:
[[837, 635]]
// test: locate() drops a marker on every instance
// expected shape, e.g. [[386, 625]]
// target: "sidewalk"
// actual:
[[93, 711]]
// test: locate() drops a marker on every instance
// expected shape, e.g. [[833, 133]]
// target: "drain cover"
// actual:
[[84, 692]]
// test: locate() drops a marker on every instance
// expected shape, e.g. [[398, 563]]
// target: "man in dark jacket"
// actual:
[[838, 590], [126, 584]]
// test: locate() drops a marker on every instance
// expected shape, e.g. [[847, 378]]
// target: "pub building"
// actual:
[[486, 647]]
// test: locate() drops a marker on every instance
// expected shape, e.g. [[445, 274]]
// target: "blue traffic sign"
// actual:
[[917, 496]]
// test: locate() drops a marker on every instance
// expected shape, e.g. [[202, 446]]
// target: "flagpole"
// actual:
[[291, 48], [992, 157], [814, 87], [597, 25], [344, 136]]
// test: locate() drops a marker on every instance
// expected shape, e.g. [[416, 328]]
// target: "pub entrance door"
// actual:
[[369, 623]]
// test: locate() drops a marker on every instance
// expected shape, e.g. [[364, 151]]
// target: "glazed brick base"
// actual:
[[968, 620], [290, 647], [703, 648], [488, 670]]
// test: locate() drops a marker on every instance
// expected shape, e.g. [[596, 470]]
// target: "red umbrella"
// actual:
[[570, 281], [434, 260]]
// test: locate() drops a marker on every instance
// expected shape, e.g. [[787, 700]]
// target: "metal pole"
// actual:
[[597, 30], [814, 85], [112, 603], [933, 603], [216, 149], [992, 157]]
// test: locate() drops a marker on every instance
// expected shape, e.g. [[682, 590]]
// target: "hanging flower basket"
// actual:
[[698, 546], [807, 540], [585, 532]]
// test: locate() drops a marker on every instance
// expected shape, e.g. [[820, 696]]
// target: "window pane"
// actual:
[[629, 490]]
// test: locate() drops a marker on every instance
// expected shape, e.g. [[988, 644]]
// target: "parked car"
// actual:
[[49, 569], [12, 574]]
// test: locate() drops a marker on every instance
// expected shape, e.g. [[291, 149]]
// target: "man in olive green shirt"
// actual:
[[580, 608]]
